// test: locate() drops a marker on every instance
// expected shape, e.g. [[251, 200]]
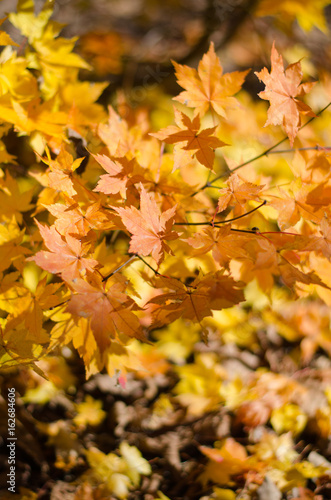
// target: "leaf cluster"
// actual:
[[160, 226]]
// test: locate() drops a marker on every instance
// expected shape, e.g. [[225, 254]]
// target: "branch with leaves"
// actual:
[[136, 196]]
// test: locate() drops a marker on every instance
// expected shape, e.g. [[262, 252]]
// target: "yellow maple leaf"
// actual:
[[27, 22], [89, 412], [288, 418], [52, 54], [16, 346], [16, 80], [208, 87], [13, 200], [308, 14], [117, 473]]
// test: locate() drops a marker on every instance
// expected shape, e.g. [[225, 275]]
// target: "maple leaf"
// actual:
[[261, 263], [308, 321], [177, 342], [207, 87], [79, 102], [266, 261], [36, 116], [42, 299], [78, 331], [148, 226], [57, 53], [238, 191], [307, 14], [199, 387], [119, 177], [17, 300], [16, 80], [109, 309], [71, 219], [66, 256], [117, 474], [116, 135], [224, 244], [228, 460], [14, 297], [321, 243], [16, 345], [165, 176], [311, 167], [202, 144], [282, 89], [288, 418], [307, 202], [196, 301], [89, 412], [52, 55], [27, 22], [61, 171], [11, 250], [152, 361], [12, 200], [291, 274]]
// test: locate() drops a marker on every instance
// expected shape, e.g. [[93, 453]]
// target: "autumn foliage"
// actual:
[[164, 228]]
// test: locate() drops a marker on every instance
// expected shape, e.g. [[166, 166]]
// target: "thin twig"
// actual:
[[58, 305], [251, 231], [120, 267], [241, 216], [211, 223], [148, 265], [157, 272], [311, 148], [264, 153]]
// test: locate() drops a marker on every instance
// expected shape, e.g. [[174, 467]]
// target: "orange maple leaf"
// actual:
[[119, 177], [71, 219], [291, 274], [148, 226], [321, 243], [207, 87], [196, 301], [116, 134], [202, 144], [306, 202], [224, 244], [108, 307], [229, 460], [61, 171], [66, 256], [238, 192], [261, 263], [282, 89], [269, 256]]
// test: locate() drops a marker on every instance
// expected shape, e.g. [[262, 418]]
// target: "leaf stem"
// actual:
[[211, 223], [157, 272], [251, 231], [120, 267], [241, 216], [148, 265]]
